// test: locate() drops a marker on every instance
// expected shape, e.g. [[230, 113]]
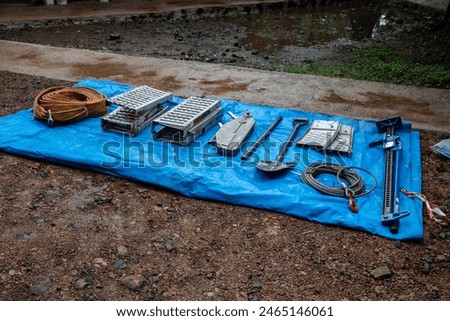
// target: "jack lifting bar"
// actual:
[[392, 145]]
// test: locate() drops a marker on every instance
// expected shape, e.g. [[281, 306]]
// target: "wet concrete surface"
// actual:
[[426, 108]]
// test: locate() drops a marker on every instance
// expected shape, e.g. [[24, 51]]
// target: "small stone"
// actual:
[[134, 260], [155, 278], [119, 264], [134, 282], [29, 235], [426, 268], [183, 278], [381, 273], [122, 250], [80, 284], [99, 262], [82, 237], [257, 285], [241, 296], [12, 272], [441, 258], [75, 226], [51, 192], [158, 246], [420, 280], [170, 246], [210, 294], [41, 287], [443, 235], [114, 36]]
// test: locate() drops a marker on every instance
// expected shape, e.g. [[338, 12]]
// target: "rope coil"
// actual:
[[68, 104]]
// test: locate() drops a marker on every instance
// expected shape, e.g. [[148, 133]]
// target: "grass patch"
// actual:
[[374, 63], [268, 34]]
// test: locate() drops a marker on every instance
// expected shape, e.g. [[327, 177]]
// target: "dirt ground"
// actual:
[[264, 36], [70, 234]]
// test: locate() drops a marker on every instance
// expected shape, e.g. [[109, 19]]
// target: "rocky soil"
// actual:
[[71, 234]]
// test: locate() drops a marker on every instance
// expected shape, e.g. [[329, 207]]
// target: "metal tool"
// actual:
[[140, 99], [135, 111], [124, 121], [261, 138], [392, 146], [328, 135], [231, 135], [186, 121], [268, 166]]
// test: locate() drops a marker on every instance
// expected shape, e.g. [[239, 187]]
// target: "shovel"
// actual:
[[276, 166]]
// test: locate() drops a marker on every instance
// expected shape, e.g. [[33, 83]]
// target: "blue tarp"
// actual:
[[198, 171]]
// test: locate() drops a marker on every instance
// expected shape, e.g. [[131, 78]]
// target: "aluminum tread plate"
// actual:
[[321, 134], [343, 143], [184, 138], [184, 115], [122, 120], [141, 98]]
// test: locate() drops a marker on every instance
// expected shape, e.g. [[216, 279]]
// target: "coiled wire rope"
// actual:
[[351, 183]]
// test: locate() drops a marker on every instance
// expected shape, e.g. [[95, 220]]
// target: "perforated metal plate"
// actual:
[[141, 99]]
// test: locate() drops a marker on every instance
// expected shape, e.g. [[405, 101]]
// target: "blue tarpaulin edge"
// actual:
[[198, 171]]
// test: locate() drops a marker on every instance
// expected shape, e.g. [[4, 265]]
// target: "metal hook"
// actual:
[[352, 205]]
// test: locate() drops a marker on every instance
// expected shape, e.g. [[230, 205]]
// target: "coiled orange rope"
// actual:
[[68, 104]]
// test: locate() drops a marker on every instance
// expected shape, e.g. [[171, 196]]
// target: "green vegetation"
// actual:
[[267, 33], [52, 83], [375, 63]]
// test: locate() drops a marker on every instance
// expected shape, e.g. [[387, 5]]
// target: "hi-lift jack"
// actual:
[[392, 146]]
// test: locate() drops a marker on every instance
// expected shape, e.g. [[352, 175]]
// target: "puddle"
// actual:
[[308, 27]]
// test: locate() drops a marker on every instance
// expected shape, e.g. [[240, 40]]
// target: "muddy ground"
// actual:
[[265, 36], [70, 234]]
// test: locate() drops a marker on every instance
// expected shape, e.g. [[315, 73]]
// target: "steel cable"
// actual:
[[68, 104], [355, 183]]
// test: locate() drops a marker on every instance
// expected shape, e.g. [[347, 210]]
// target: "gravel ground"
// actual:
[[70, 234]]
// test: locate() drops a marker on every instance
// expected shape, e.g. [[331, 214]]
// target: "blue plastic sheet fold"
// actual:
[[198, 171]]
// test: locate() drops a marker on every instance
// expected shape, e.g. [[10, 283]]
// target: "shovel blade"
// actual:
[[274, 166]]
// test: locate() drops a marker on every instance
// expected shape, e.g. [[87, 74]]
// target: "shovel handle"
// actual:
[[298, 122]]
